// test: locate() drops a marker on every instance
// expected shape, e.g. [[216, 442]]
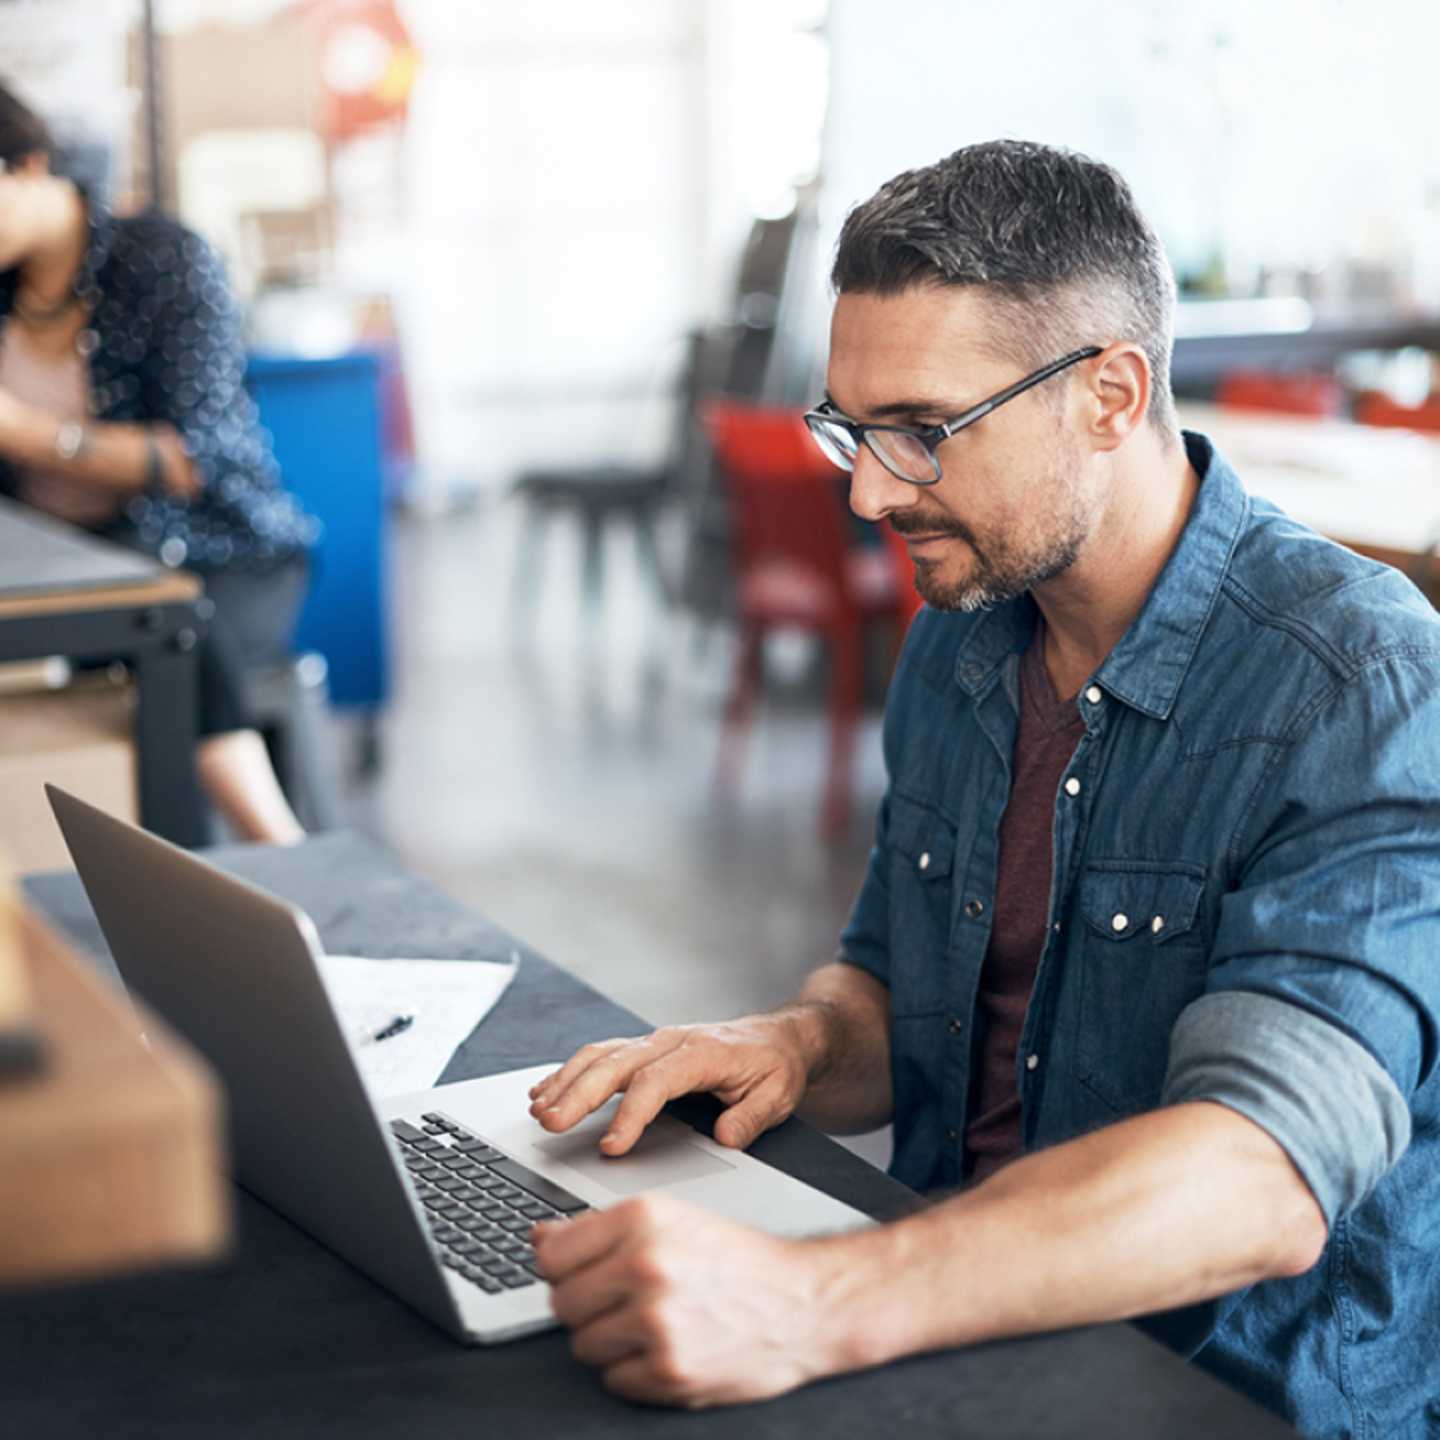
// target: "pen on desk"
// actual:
[[397, 1026]]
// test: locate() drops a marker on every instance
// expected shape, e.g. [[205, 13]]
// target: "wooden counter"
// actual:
[[110, 1152]]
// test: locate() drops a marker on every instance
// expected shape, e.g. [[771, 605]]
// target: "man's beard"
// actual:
[[1000, 570]]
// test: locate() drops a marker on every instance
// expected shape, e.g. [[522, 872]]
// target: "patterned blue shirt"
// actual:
[[164, 343], [1245, 909]]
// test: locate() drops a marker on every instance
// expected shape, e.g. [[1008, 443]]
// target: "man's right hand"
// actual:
[[758, 1067]]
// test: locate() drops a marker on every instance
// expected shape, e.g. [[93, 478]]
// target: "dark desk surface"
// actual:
[[287, 1340]]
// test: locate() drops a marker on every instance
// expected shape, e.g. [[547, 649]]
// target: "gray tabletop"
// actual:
[[285, 1339], [38, 554]]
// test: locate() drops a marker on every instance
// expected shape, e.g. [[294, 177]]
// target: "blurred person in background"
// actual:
[[123, 411]]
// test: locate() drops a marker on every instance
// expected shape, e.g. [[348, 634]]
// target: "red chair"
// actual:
[[1300, 394], [1373, 408], [795, 567]]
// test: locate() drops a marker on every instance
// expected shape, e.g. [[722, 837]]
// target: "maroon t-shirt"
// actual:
[[1050, 729]]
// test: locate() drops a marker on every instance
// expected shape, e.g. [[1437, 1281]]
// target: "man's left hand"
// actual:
[[676, 1306]]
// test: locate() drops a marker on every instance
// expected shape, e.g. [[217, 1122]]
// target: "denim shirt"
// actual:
[[1245, 908]]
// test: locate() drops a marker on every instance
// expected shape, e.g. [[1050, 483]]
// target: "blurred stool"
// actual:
[[794, 568], [1303, 393], [289, 699], [598, 493]]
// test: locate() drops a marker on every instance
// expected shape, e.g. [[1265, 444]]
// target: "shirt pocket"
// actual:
[[1142, 961], [921, 873]]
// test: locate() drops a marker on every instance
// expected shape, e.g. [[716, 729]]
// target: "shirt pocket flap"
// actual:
[[1120, 900], [924, 839]]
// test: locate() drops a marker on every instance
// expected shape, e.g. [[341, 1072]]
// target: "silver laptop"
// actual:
[[431, 1194]]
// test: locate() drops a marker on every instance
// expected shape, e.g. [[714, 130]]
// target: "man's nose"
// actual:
[[874, 491]]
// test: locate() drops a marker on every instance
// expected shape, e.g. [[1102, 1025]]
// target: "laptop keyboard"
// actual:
[[480, 1203]]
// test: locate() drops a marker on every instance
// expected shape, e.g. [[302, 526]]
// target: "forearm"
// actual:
[[1165, 1210], [843, 1018], [114, 457]]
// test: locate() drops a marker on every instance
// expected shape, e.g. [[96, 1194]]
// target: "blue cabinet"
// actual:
[[324, 418]]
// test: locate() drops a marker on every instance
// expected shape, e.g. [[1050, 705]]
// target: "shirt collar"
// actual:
[[1148, 666]]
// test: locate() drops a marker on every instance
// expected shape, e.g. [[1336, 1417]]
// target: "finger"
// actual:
[[683, 1071], [640, 1378], [581, 1060], [645, 1097], [564, 1246], [607, 1074], [585, 1295], [766, 1106], [616, 1335]]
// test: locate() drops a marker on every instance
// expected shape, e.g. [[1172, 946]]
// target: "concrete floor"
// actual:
[[558, 775]]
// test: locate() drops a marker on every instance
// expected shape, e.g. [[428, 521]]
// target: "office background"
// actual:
[[516, 216]]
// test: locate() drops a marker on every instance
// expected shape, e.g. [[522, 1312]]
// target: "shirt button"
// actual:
[[952, 1135], [1031, 1061], [1157, 924], [956, 1027], [1056, 927], [974, 909], [1093, 694], [87, 342], [924, 861], [1120, 921], [1072, 787]]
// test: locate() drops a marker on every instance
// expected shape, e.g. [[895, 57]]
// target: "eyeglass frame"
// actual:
[[933, 436]]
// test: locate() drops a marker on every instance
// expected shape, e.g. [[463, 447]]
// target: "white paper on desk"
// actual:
[[448, 999]]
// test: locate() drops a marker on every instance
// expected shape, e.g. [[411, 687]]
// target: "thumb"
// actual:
[[744, 1122]]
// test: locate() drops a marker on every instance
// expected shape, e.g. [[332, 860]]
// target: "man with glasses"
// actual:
[[1146, 967]]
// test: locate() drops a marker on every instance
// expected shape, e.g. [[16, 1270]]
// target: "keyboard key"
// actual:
[[492, 1267], [518, 1280], [482, 1179], [470, 1170], [537, 1185], [446, 1233], [489, 1286], [479, 1149], [406, 1131], [468, 1247], [435, 1202], [515, 1223], [506, 1191], [535, 1212], [450, 1184], [450, 1210], [453, 1161], [432, 1118], [429, 1146], [453, 1261]]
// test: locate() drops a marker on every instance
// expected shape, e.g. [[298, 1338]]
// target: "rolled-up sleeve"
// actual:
[[1323, 1098], [1322, 1006]]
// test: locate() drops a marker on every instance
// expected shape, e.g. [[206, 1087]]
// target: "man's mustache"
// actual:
[[908, 523]]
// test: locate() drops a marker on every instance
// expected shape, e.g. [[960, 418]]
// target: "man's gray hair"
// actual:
[[1055, 239]]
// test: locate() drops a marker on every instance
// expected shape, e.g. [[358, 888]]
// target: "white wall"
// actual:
[[1293, 131], [580, 177]]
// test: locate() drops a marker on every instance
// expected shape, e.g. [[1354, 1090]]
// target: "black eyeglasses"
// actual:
[[908, 451]]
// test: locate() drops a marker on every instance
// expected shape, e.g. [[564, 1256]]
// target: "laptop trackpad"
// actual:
[[664, 1155]]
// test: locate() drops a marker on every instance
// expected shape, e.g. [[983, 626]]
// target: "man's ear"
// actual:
[[1120, 385]]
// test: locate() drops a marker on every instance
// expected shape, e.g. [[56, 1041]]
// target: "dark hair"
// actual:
[[1054, 237], [22, 131]]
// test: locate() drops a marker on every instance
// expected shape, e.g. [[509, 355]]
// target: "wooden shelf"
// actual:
[[110, 1154]]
